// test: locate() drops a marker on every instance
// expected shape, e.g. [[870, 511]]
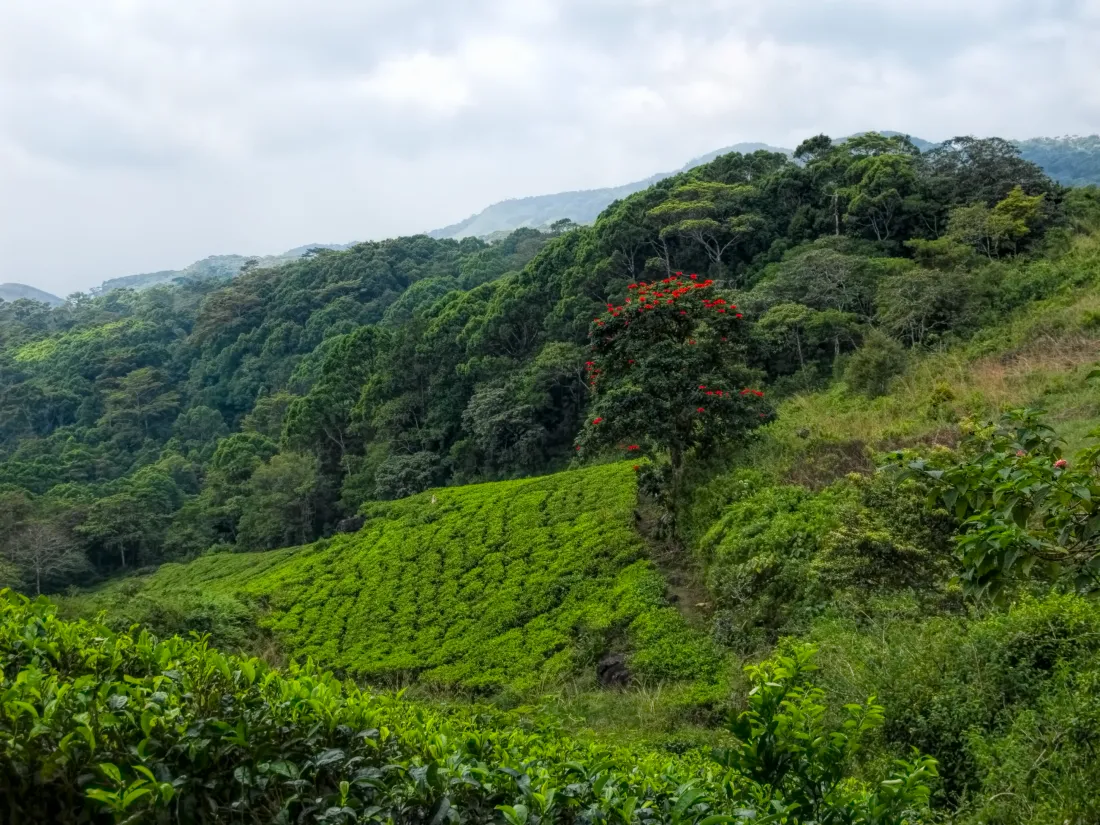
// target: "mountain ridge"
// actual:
[[584, 206], [15, 292]]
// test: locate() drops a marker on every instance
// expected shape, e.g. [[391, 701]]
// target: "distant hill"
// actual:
[[1072, 161], [13, 292], [215, 266]]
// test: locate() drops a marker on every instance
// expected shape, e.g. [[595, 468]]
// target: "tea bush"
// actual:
[[97, 727], [481, 587]]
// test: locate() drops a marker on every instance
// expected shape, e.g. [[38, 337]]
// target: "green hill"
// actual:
[[486, 586], [759, 336]]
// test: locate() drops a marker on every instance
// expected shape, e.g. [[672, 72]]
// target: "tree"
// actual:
[[917, 304], [873, 365], [793, 332], [973, 226], [562, 225], [504, 427], [981, 170], [668, 374], [321, 422], [823, 277], [1016, 216], [880, 195], [406, 475], [139, 402], [47, 555], [197, 432], [990, 231], [279, 503], [713, 215], [118, 524]]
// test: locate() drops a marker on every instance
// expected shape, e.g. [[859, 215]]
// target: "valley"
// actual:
[[769, 496]]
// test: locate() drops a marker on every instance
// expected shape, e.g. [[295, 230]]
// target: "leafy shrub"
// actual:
[[782, 555], [1025, 508], [96, 727], [1005, 702], [871, 368]]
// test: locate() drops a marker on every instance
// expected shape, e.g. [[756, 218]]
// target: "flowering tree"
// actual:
[[667, 372]]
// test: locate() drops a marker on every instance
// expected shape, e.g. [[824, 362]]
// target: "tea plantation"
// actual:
[[100, 727], [481, 587]]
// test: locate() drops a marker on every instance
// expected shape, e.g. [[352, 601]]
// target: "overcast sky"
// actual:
[[138, 135]]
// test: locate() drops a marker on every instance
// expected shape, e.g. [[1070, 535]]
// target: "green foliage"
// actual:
[[99, 727], [874, 365], [779, 556], [414, 362], [785, 743], [1006, 702], [1021, 504], [481, 587]]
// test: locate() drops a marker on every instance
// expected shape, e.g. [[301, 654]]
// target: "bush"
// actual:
[[783, 555], [871, 368], [1009, 703]]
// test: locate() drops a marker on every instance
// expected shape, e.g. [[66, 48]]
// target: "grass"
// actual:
[[1037, 356]]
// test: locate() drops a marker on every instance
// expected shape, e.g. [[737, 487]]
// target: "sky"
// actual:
[[140, 135]]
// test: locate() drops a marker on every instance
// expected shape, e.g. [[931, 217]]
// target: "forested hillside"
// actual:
[[765, 405], [141, 427], [215, 266], [1071, 161]]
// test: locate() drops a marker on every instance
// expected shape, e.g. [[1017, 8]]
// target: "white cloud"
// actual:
[[138, 136]]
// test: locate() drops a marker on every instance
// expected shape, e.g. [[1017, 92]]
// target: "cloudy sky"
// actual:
[[138, 135]]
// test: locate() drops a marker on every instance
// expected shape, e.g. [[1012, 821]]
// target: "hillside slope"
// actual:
[[485, 586]]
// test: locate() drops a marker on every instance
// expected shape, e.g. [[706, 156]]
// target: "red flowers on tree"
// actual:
[[655, 359]]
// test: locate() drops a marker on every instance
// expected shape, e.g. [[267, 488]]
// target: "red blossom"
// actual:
[[701, 409], [596, 420], [1061, 463]]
